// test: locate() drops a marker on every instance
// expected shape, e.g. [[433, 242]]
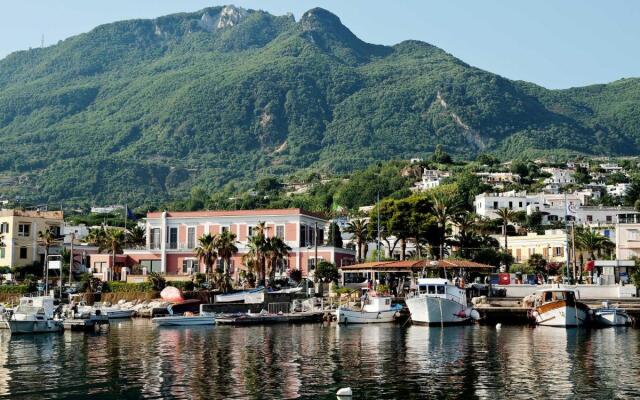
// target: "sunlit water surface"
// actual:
[[135, 360]]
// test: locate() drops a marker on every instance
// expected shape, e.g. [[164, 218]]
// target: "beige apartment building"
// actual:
[[19, 232]]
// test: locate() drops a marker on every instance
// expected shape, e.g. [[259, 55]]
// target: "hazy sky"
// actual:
[[555, 43]]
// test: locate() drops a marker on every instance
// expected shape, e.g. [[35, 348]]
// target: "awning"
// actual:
[[416, 265]]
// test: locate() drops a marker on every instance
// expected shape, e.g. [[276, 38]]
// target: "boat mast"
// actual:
[[566, 230]]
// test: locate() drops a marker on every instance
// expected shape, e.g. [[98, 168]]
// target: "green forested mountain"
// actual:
[[146, 109]]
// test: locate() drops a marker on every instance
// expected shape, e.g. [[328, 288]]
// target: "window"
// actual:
[[250, 231], [422, 289], [172, 238], [280, 231], [432, 289], [189, 266], [510, 205], [23, 253], [24, 230], [224, 229], [558, 251], [589, 218], [495, 205], [312, 237], [609, 219], [151, 265], [440, 289], [191, 237], [155, 238], [303, 235], [520, 204], [4, 227], [2, 252], [99, 266]]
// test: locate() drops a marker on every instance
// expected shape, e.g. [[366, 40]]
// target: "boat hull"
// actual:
[[612, 318], [437, 311], [184, 321], [347, 316], [120, 314], [561, 314], [29, 327]]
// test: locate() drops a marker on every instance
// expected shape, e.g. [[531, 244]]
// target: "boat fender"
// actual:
[[475, 315], [345, 392], [498, 325]]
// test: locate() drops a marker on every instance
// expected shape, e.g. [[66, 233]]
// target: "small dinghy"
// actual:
[[376, 309], [186, 319], [608, 315]]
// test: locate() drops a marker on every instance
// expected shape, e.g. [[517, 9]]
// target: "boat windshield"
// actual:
[[29, 310]]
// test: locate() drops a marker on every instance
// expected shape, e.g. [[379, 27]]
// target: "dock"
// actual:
[[86, 324], [269, 319], [511, 312]]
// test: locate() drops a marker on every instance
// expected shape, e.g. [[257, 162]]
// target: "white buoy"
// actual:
[[498, 326], [345, 392]]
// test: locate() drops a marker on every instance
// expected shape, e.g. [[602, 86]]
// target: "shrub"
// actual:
[[185, 286], [124, 287], [14, 289], [157, 281], [382, 289], [295, 275], [327, 272]]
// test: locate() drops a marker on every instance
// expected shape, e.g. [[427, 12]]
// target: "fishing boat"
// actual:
[[608, 315], [438, 302], [246, 296], [34, 315], [114, 312], [186, 319], [376, 309], [560, 307]]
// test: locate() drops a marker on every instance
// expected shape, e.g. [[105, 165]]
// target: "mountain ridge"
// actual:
[[146, 109]]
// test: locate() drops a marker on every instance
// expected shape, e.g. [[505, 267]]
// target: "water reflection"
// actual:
[[136, 360]]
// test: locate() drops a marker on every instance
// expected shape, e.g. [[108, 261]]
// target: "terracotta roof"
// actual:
[[418, 264], [235, 213]]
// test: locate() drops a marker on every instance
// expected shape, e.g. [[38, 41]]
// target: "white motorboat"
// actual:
[[187, 319], [609, 315], [34, 315], [438, 302], [560, 307], [376, 309], [247, 296], [113, 312]]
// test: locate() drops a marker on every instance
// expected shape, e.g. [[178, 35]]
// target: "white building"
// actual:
[[431, 178], [486, 204], [611, 167], [618, 190], [559, 176], [498, 178], [107, 209]]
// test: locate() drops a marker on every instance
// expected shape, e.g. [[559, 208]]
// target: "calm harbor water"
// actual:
[[135, 360]]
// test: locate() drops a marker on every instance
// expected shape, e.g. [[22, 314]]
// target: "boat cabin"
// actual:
[[553, 295], [40, 307], [435, 287], [377, 304]]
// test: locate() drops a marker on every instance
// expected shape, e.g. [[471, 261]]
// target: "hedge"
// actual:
[[123, 287], [14, 289]]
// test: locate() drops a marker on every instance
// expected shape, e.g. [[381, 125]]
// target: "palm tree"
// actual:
[[46, 239], [592, 242], [507, 216], [359, 229], [136, 236], [206, 251], [226, 248], [466, 223], [276, 250], [444, 208], [113, 240]]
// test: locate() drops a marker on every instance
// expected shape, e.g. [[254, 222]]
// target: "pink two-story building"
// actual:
[[173, 236]]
